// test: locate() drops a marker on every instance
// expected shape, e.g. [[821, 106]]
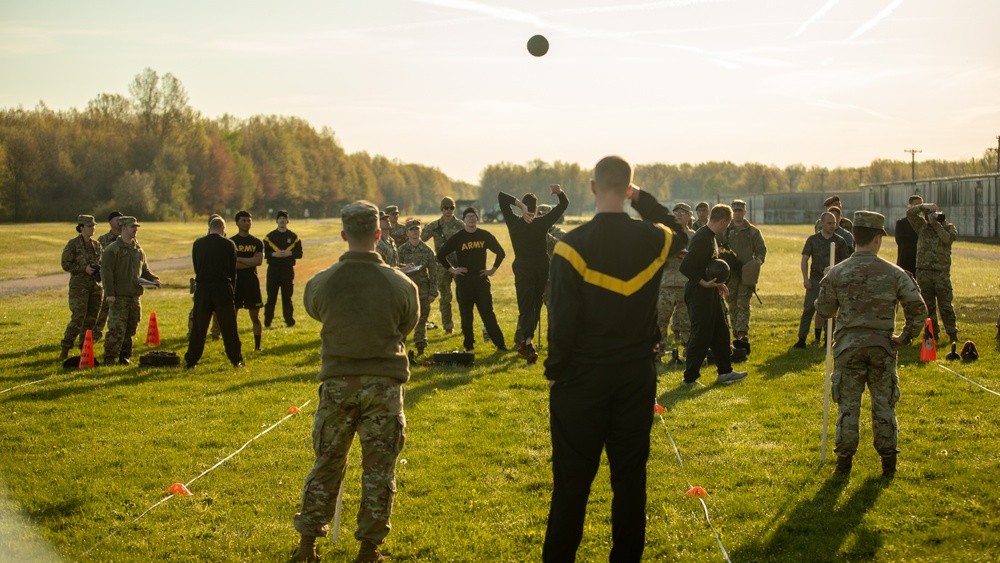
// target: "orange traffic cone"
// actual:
[[153, 333], [87, 354], [928, 350]]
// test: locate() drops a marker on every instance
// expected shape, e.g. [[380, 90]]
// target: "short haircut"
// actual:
[[865, 235], [825, 213], [721, 211], [613, 174], [217, 223], [360, 236], [835, 210], [530, 201], [914, 200], [242, 214], [212, 216]]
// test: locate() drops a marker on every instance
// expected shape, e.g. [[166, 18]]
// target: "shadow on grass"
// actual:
[[816, 529], [128, 376]]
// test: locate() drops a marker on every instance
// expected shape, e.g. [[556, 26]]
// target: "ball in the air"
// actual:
[[538, 45]]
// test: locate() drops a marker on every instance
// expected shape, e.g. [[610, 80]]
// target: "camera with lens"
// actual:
[[937, 216], [97, 272]]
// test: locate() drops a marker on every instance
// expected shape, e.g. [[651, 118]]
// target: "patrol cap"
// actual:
[[870, 220], [281, 213], [360, 216], [832, 200], [391, 210], [544, 208], [448, 202], [739, 204], [85, 220], [114, 214], [413, 224], [683, 207], [382, 215], [470, 210], [702, 205], [128, 220]]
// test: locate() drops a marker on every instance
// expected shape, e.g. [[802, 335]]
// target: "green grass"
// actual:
[[82, 454]]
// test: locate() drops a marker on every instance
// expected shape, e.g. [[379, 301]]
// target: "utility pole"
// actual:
[[822, 178], [998, 154], [913, 162]]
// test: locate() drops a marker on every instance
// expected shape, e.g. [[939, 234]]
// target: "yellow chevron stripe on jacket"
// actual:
[[611, 283], [275, 247]]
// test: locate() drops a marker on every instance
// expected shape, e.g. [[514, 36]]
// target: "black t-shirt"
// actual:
[[470, 250], [247, 247], [818, 247]]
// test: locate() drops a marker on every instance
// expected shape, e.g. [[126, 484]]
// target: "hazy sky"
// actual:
[[449, 83]]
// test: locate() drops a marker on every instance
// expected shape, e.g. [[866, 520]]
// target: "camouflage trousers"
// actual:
[[738, 303], [671, 307], [123, 318], [102, 319], [852, 369], [84, 305], [445, 281], [372, 408], [424, 295], [935, 288]]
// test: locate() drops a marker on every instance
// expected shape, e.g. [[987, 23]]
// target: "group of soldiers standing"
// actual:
[[104, 284], [108, 276]]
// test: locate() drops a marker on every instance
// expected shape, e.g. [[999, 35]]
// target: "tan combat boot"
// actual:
[[369, 553], [306, 550]]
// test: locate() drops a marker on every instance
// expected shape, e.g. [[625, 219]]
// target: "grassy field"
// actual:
[[83, 454]]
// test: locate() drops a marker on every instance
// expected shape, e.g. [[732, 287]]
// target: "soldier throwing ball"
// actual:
[[862, 292]]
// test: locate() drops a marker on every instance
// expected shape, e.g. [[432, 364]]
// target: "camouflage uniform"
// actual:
[[671, 306], [397, 233], [122, 266], [747, 242], [387, 250], [366, 309], [862, 292], [102, 318], [425, 278], [85, 292], [442, 231], [934, 240]]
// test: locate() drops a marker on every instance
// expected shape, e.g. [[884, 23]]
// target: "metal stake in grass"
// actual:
[[335, 535], [829, 360]]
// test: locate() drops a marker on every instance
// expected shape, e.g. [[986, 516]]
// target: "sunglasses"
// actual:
[[448, 208]]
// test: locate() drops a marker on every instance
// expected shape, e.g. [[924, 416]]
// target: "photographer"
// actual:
[[935, 236], [81, 258]]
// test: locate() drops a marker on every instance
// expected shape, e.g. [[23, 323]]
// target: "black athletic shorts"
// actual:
[[247, 295]]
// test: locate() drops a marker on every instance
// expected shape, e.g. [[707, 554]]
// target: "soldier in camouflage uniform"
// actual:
[[397, 230], [748, 244], [862, 293], [702, 209], [672, 313], [935, 235], [415, 253], [106, 239], [82, 258], [442, 229], [367, 309], [386, 247], [123, 264]]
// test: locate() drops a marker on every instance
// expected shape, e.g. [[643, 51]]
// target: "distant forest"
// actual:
[[150, 154]]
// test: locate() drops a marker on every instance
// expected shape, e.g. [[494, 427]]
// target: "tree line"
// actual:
[[151, 154]]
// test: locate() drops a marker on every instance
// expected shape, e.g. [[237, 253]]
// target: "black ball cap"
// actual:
[[538, 45]]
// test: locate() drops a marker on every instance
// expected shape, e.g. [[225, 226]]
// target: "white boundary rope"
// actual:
[[32, 382], [969, 380], [691, 486], [203, 473]]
